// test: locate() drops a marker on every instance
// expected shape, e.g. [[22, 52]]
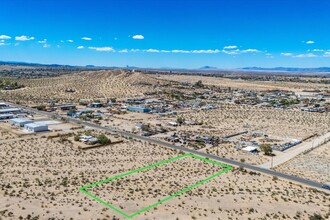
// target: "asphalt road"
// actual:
[[187, 150]]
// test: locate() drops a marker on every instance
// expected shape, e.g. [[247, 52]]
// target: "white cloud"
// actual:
[[135, 50], [23, 38], [86, 38], [152, 51], [318, 50], [5, 37], [80, 47], [102, 49], [46, 46], [230, 47], [42, 41], [3, 43], [326, 54], [310, 42], [305, 55], [287, 54], [180, 51], [250, 51], [138, 37], [70, 41], [123, 51], [231, 52], [206, 51]]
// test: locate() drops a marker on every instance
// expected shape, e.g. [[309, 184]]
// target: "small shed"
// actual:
[[172, 123], [33, 127], [250, 149], [67, 107], [20, 122], [96, 105]]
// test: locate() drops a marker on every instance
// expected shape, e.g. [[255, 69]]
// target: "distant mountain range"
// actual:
[[31, 64], [203, 68], [290, 69], [208, 68]]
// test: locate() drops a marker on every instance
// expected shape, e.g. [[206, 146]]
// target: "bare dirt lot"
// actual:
[[243, 84], [41, 178], [230, 119], [313, 165]]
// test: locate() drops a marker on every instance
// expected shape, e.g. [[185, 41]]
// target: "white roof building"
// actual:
[[6, 116], [9, 110], [20, 122], [2, 104], [32, 127], [172, 123], [250, 149]]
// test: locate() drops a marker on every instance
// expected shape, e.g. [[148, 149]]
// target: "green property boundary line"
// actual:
[[84, 188]]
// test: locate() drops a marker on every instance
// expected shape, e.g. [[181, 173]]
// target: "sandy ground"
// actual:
[[243, 84], [5, 134], [41, 177], [314, 165], [86, 85], [230, 119], [139, 190], [228, 150]]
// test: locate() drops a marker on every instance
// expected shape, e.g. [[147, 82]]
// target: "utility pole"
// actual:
[[271, 167]]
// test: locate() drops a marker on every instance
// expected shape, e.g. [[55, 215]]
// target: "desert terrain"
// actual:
[[237, 83], [312, 164], [41, 179], [88, 85]]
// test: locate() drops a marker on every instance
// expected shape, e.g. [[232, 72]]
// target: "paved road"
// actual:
[[168, 145]]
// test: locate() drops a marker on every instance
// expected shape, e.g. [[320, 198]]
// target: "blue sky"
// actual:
[[167, 33]]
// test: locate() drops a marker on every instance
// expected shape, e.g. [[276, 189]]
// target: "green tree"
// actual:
[[267, 149], [103, 140], [76, 137], [316, 216], [180, 120], [41, 108], [199, 84]]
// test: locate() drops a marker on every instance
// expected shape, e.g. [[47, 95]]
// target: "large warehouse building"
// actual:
[[20, 122], [33, 127]]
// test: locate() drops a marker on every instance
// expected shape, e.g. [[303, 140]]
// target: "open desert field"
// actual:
[[244, 84], [90, 85], [313, 165], [41, 179], [6, 135], [228, 150], [230, 119]]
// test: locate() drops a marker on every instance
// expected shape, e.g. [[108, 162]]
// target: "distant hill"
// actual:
[[290, 69], [31, 64], [208, 68]]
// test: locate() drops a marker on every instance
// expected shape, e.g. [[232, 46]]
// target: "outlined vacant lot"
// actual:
[[140, 190]]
